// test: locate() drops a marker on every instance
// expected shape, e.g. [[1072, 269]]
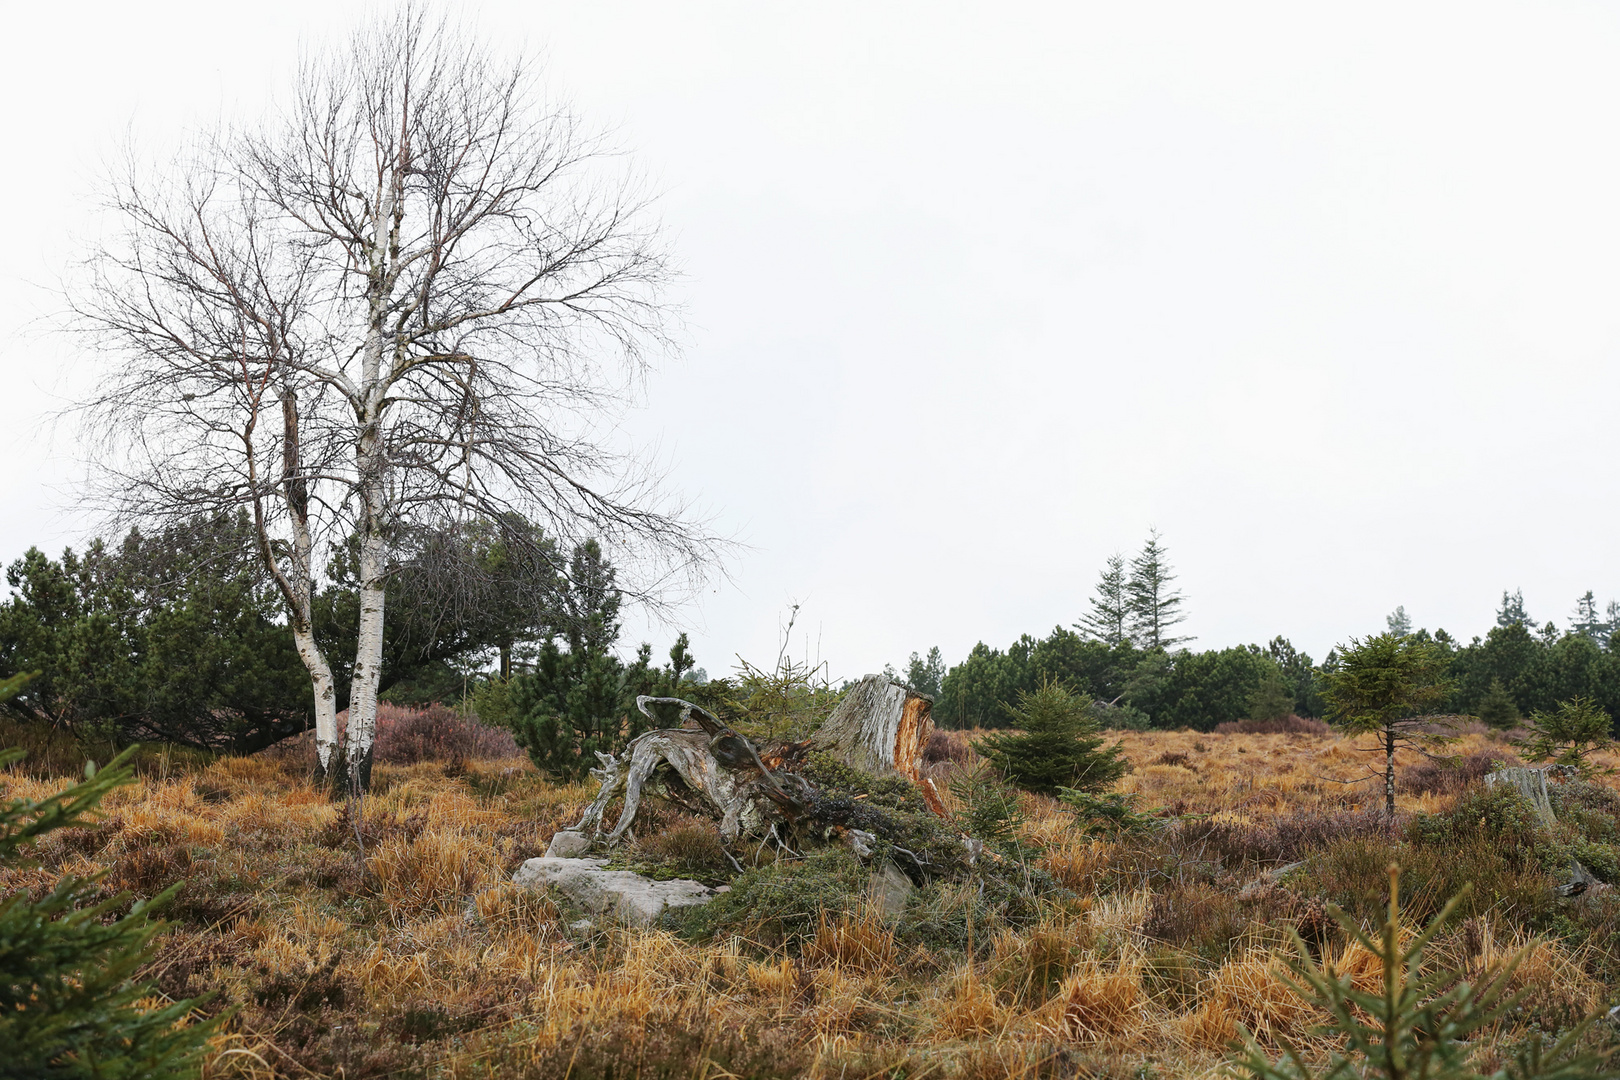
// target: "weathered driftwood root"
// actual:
[[881, 728], [696, 781], [713, 769]]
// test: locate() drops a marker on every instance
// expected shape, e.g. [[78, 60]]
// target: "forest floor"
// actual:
[[420, 959]]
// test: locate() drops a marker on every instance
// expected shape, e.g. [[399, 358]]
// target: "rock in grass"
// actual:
[[620, 894], [567, 844], [890, 890]]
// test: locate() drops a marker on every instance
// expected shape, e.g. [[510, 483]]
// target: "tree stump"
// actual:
[[1532, 784], [882, 727]]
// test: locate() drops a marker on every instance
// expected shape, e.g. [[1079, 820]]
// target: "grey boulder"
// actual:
[[567, 844]]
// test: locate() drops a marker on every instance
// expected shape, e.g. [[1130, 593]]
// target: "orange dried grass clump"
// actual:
[[1103, 1002], [856, 940], [1249, 990], [435, 871]]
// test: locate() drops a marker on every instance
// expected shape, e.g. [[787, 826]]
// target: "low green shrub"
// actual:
[[782, 903]]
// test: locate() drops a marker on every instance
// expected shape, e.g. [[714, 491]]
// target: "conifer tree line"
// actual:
[[1124, 653], [175, 637]]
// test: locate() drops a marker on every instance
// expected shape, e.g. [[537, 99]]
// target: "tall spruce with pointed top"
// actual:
[[1109, 621], [1587, 622], [1153, 607], [1057, 744], [1512, 612]]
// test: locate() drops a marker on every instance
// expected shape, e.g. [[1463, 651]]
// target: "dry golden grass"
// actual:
[[425, 961]]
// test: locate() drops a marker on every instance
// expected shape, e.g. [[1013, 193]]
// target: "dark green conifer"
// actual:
[[1497, 708], [68, 989], [1056, 746]]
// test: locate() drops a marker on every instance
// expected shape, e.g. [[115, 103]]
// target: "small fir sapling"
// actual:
[[1570, 734], [1057, 745], [989, 810], [1497, 709], [1417, 1024]]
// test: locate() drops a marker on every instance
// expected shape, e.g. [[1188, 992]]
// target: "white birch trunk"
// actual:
[[325, 687], [367, 665], [371, 467], [297, 584]]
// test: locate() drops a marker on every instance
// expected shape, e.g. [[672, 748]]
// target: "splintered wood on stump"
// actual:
[[882, 727]]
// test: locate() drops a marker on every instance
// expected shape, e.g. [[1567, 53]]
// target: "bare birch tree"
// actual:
[[404, 300]]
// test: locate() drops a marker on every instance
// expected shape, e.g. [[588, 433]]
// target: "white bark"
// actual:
[[298, 583], [371, 469], [325, 689]]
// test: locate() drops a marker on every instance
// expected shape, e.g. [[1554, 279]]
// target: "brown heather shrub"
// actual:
[[1286, 725], [1449, 776], [1198, 917], [952, 746], [1284, 839], [406, 736]]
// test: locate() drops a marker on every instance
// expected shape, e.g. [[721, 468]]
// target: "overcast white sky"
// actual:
[[979, 293]]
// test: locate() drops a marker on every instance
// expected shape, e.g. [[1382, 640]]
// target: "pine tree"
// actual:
[[580, 701], [1109, 621], [1153, 606], [1057, 745], [926, 675], [1512, 612], [1272, 699], [1497, 708], [1398, 621], [69, 1002]]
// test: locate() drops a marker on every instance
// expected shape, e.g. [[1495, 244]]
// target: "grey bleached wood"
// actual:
[[714, 768], [1532, 784], [880, 727]]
